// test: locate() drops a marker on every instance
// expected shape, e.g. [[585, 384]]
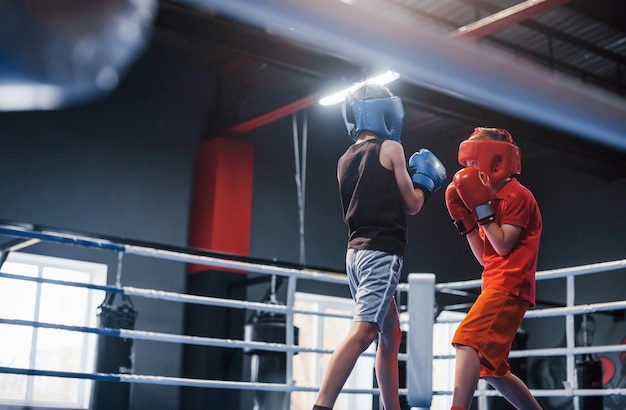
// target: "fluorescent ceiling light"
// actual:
[[338, 97]]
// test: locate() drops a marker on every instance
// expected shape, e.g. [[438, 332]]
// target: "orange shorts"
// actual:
[[490, 327]]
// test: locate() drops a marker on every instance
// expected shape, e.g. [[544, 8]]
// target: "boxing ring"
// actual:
[[418, 313]]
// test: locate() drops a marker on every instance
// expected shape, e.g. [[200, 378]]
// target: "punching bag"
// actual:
[[589, 374], [588, 367], [114, 354], [268, 366]]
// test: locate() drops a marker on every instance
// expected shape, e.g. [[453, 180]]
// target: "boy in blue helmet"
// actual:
[[377, 191]]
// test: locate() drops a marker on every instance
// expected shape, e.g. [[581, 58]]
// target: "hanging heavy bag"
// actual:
[[114, 354]]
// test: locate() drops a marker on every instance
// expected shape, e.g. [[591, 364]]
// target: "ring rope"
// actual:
[[553, 351], [173, 338], [569, 310], [177, 297], [542, 275], [182, 339], [177, 381], [567, 392], [67, 239], [575, 310], [166, 337], [187, 255]]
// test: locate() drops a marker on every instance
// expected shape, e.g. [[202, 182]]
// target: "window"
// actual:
[[48, 349], [322, 332]]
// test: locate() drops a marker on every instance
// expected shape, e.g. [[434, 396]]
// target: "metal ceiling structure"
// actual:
[[554, 71]]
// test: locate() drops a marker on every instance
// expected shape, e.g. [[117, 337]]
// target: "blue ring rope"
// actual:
[[106, 288], [106, 377], [64, 239], [105, 331], [176, 297]]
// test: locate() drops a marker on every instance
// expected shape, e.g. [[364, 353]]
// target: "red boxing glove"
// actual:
[[476, 193], [462, 217]]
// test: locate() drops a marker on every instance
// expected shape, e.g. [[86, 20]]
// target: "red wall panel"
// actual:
[[221, 211]]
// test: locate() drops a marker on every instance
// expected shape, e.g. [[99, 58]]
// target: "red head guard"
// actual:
[[497, 159]]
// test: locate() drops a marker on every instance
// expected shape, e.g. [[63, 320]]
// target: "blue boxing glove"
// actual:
[[426, 171]]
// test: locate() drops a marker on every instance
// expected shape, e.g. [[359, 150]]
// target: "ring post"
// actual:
[[420, 339]]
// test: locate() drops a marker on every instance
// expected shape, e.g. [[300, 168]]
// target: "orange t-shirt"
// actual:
[[514, 204]]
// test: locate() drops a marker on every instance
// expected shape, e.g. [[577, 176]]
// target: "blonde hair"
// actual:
[[495, 134], [367, 91]]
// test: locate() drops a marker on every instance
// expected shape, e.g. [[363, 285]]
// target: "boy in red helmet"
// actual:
[[502, 223]]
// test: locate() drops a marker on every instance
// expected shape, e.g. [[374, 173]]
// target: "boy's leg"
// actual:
[[515, 391], [387, 367], [466, 375], [342, 361]]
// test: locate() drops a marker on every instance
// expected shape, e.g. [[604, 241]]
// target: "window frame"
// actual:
[[362, 375], [55, 268]]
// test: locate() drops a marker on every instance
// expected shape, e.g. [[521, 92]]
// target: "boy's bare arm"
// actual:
[[392, 157]]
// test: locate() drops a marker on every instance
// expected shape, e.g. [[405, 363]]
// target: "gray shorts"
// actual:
[[373, 277]]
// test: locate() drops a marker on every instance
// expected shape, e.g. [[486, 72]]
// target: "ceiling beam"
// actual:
[[506, 18], [460, 69], [199, 28], [273, 115]]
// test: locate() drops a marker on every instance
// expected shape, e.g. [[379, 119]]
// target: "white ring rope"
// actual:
[[180, 297], [177, 381], [555, 351], [175, 338], [566, 392], [168, 337], [181, 255], [543, 275], [562, 311]]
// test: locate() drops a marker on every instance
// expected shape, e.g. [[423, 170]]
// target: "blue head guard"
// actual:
[[382, 116]]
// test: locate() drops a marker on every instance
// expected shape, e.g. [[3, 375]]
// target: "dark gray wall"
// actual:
[[123, 166], [120, 166]]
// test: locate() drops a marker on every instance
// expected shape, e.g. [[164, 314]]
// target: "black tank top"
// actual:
[[372, 204]]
